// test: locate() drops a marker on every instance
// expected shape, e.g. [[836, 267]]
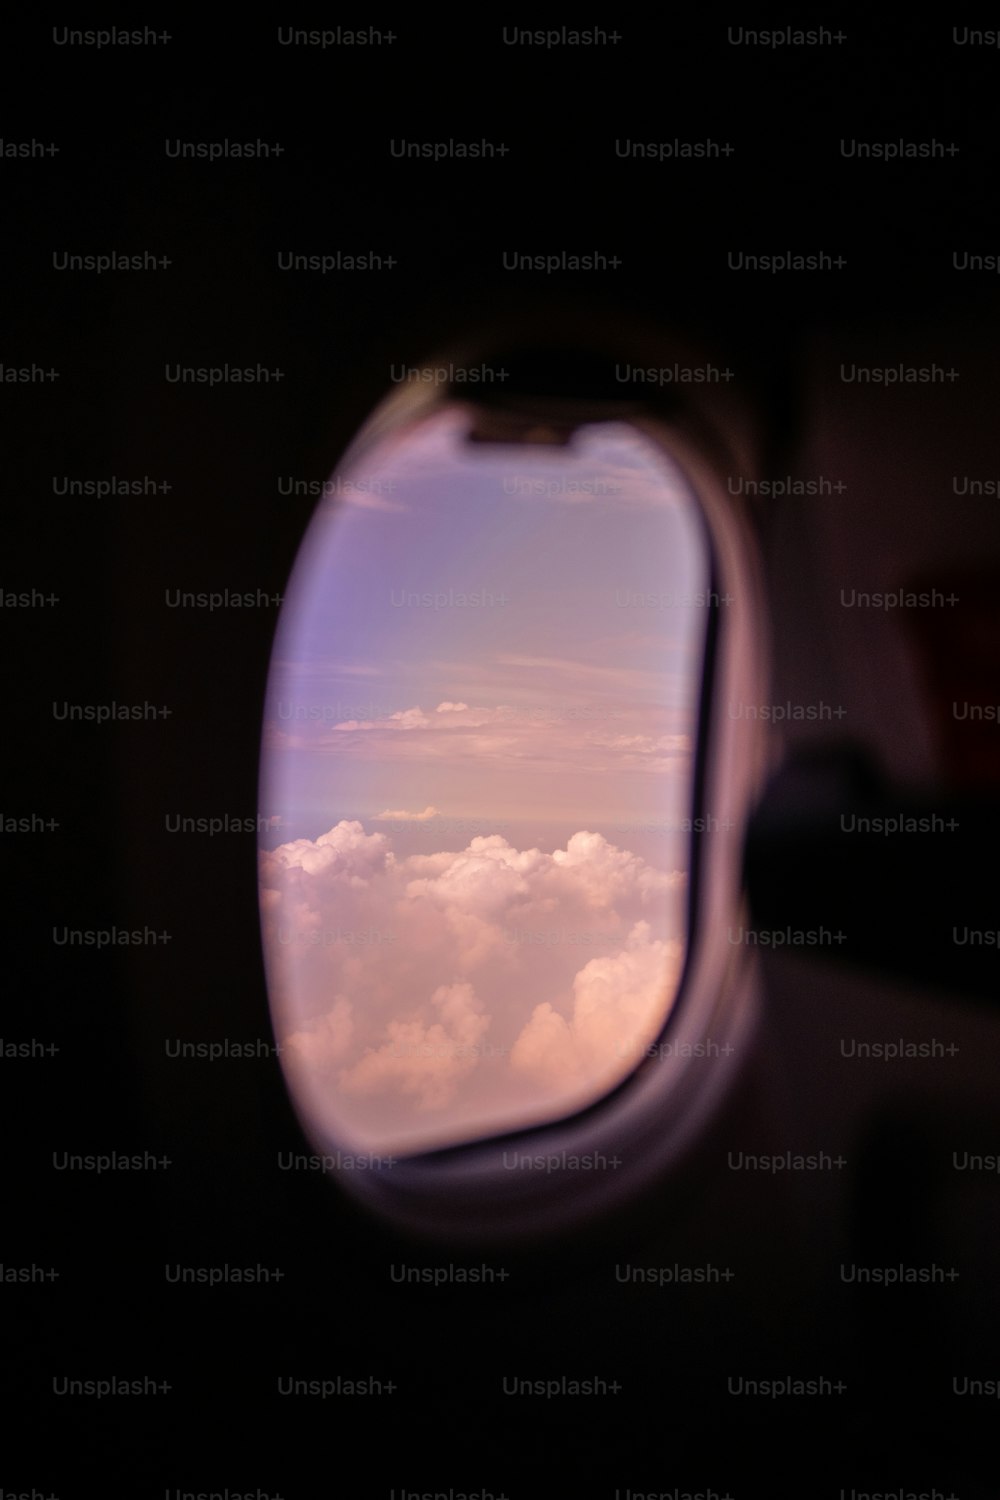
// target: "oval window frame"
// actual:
[[643, 1128]]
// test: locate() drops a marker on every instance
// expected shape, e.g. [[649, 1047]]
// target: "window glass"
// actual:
[[477, 756]]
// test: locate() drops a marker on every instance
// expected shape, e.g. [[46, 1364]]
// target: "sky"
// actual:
[[477, 740]]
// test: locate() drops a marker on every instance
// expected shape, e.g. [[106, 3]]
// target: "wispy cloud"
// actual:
[[407, 817], [586, 737]]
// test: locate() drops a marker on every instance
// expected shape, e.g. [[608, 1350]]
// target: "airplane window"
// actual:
[[478, 754]]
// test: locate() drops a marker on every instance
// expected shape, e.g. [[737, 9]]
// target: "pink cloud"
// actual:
[[386, 974], [617, 1005], [407, 817], [425, 1061], [544, 737]]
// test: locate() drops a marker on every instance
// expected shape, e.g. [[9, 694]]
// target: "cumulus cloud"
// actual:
[[326, 1041], [425, 1060], [386, 974], [345, 850], [617, 1008]]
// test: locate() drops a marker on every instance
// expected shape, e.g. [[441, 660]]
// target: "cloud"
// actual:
[[644, 743], [549, 736], [617, 1009], [345, 850], [425, 1061], [407, 817], [403, 718], [326, 1041], [386, 974]]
